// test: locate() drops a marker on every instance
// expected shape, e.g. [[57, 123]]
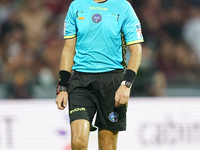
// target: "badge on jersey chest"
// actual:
[[96, 18]]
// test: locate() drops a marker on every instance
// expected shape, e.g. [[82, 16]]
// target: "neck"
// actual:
[[99, 1]]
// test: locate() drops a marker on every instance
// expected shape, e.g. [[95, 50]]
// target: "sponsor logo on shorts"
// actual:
[[76, 110], [113, 117], [96, 18]]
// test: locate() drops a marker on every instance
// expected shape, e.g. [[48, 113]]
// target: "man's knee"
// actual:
[[107, 139], [79, 143], [80, 133]]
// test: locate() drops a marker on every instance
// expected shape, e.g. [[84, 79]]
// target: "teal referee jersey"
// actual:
[[103, 30]]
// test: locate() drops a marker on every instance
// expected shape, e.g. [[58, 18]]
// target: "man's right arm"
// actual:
[[66, 63], [68, 52]]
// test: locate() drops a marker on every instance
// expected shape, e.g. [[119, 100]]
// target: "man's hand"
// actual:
[[61, 100], [122, 95]]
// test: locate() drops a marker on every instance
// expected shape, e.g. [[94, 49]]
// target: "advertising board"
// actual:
[[152, 124]]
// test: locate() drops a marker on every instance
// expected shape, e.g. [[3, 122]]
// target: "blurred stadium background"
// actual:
[[31, 41]]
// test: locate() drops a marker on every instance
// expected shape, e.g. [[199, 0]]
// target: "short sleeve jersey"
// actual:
[[103, 30]]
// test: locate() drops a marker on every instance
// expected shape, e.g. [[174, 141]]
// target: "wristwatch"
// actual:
[[60, 88], [127, 84]]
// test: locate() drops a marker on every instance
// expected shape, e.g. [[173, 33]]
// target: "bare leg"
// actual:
[[107, 139], [80, 130]]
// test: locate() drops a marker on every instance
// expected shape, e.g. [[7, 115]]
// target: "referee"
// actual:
[[96, 33]]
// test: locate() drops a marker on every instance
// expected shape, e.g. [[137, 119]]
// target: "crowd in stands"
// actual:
[[31, 41]]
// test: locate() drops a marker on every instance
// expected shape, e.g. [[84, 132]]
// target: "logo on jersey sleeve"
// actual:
[[113, 117], [139, 31], [96, 18], [65, 24]]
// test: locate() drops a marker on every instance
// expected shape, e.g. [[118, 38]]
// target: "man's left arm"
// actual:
[[123, 92]]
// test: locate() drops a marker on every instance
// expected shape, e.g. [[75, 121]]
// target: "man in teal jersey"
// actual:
[[96, 33]]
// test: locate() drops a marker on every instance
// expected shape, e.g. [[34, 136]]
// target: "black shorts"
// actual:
[[91, 93]]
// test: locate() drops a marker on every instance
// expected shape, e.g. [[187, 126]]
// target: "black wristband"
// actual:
[[130, 76], [64, 78]]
